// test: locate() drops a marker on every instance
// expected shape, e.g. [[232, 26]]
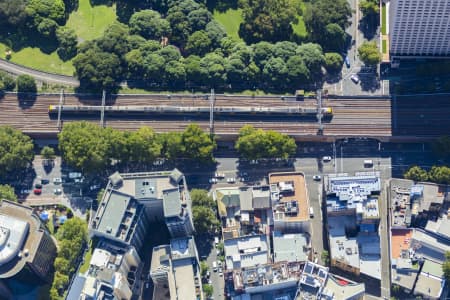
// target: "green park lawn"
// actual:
[[88, 22], [230, 20]]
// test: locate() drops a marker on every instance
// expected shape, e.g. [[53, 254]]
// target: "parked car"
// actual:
[[37, 191], [57, 191], [213, 180], [231, 180], [45, 181], [326, 158], [347, 61], [354, 78], [216, 241], [316, 177], [38, 186], [219, 175], [57, 180], [94, 187]]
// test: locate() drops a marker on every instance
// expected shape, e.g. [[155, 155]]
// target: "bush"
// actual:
[[26, 84]]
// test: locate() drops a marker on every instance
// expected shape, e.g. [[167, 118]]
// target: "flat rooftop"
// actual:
[[338, 288], [290, 247], [160, 259], [299, 195], [429, 246], [429, 285], [182, 248], [246, 251], [400, 241], [111, 211], [184, 281]]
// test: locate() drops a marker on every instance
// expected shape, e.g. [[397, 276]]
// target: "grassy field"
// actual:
[[300, 28], [383, 19], [231, 19], [90, 22]]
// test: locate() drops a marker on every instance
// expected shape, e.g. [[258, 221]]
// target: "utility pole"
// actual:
[[342, 160], [319, 110], [334, 157], [61, 98], [102, 113], [212, 99]]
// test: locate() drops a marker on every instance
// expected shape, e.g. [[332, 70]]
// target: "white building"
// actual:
[[419, 28]]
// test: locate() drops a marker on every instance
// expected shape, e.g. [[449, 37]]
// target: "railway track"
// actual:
[[364, 117]]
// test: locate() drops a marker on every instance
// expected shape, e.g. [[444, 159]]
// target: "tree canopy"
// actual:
[[416, 173], [149, 24], [446, 266], [369, 7], [257, 143], [369, 53], [7, 193], [268, 20], [12, 12], [16, 151], [203, 212], [26, 84]]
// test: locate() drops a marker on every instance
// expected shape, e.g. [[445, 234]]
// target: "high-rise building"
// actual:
[[418, 28]]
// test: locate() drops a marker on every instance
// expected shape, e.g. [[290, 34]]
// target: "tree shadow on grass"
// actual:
[[17, 39]]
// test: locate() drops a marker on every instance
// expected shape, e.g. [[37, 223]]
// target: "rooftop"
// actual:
[[174, 203], [429, 285], [265, 275], [354, 192], [246, 251], [312, 280], [429, 246], [441, 226], [400, 241], [289, 195], [160, 259], [20, 236], [338, 288], [185, 282], [182, 248], [290, 247]]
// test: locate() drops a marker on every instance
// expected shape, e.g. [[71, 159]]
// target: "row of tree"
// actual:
[[208, 59], [23, 83], [436, 174], [72, 238], [91, 148]]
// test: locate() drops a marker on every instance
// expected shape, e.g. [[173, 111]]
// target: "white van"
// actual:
[[311, 212], [214, 266], [368, 163]]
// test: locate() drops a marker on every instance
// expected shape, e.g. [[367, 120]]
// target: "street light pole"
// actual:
[[342, 160]]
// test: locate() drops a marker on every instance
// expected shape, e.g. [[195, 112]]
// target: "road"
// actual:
[[38, 75]]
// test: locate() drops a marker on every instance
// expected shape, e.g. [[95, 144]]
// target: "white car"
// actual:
[[213, 180], [57, 191], [231, 180], [316, 177], [57, 180], [219, 175], [326, 158], [354, 78]]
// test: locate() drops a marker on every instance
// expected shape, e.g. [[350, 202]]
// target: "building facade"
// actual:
[[419, 28]]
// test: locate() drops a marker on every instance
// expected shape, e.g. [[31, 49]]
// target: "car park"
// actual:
[[316, 177], [326, 158], [354, 78]]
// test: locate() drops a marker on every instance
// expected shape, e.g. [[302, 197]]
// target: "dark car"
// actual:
[[38, 186], [347, 61]]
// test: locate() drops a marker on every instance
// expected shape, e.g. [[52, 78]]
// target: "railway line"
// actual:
[[362, 117]]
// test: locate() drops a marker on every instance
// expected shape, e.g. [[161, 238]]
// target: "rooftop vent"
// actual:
[[116, 180]]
